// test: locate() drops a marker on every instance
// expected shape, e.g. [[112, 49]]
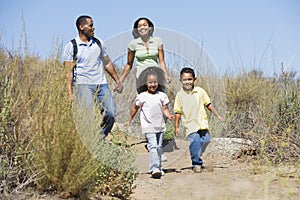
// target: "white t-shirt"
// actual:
[[151, 115], [89, 68]]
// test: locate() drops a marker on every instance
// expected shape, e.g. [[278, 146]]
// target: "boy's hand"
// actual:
[[176, 131], [220, 118]]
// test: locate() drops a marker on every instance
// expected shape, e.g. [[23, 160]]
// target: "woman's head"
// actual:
[[142, 26]]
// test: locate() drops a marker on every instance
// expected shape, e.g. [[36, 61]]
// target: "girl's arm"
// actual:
[[133, 111], [167, 112]]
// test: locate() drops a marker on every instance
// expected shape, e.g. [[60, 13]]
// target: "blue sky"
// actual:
[[236, 34]]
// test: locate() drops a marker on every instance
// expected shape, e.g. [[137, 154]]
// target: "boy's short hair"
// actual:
[[187, 70]]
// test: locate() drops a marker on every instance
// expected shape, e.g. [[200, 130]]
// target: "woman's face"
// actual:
[[143, 27], [152, 83]]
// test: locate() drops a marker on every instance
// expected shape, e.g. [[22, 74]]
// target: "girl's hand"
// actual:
[[127, 123], [171, 117]]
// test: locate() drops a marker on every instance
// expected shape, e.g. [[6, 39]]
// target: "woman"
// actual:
[[146, 49]]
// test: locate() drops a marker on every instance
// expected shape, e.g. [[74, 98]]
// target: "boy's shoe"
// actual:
[[164, 158], [197, 169], [162, 172], [156, 173]]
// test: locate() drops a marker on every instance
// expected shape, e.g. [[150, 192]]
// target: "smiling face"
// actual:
[[88, 28], [188, 81], [143, 28], [152, 83]]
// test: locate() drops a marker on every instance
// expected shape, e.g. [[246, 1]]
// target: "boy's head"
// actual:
[[187, 78]]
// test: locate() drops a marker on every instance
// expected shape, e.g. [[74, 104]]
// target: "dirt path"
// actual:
[[223, 177]]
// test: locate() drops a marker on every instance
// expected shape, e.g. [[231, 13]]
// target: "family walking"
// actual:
[[86, 59]]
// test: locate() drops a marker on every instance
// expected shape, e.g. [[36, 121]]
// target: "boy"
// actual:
[[189, 106]]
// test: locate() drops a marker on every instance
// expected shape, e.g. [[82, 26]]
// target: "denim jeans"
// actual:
[[89, 102], [155, 150], [197, 146]]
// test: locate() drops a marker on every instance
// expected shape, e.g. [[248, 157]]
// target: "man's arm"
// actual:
[[69, 66], [109, 67]]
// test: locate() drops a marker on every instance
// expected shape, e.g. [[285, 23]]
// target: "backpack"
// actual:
[[75, 50]]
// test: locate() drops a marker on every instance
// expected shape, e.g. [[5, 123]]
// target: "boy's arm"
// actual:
[[213, 110], [176, 124], [167, 112]]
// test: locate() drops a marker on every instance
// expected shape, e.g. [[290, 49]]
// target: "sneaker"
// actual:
[[197, 169], [162, 172], [156, 173], [164, 158]]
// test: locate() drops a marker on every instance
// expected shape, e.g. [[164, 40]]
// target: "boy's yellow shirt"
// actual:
[[191, 106]]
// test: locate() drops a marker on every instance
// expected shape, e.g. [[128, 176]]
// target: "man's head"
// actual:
[[187, 78], [85, 25]]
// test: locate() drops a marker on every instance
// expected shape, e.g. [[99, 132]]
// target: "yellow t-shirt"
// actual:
[[191, 106]]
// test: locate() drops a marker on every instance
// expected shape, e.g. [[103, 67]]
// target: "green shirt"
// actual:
[[143, 57], [191, 106]]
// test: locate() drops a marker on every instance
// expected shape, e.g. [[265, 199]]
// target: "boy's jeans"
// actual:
[[88, 97], [155, 150], [197, 146]]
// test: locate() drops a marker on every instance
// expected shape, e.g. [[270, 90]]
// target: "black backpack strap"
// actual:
[[100, 45], [75, 49]]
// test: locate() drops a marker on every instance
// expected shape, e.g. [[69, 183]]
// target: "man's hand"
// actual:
[[118, 87]]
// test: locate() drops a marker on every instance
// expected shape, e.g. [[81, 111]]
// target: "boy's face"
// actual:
[[187, 81]]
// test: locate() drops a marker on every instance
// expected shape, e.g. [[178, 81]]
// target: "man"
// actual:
[[86, 81]]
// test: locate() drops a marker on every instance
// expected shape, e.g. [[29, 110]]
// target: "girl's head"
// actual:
[[142, 26], [152, 82], [148, 74]]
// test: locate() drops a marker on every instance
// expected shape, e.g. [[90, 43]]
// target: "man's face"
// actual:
[[187, 81], [88, 28]]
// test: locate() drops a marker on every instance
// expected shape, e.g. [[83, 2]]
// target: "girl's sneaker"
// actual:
[[156, 173]]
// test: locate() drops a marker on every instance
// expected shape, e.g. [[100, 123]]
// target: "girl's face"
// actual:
[[187, 81], [143, 27], [152, 83]]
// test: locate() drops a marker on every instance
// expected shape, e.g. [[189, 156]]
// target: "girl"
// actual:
[[153, 108]]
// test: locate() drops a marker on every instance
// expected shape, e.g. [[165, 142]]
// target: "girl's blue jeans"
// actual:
[[197, 146], [91, 103], [155, 150]]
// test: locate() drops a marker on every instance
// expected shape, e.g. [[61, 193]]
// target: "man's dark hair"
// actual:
[[135, 32], [187, 70], [82, 20]]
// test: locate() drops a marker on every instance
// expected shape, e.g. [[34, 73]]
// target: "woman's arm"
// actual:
[[161, 58], [128, 66]]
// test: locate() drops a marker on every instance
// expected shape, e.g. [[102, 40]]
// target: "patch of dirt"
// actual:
[[225, 176]]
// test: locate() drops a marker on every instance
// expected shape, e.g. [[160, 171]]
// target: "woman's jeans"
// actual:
[[155, 150], [91, 104], [198, 143]]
